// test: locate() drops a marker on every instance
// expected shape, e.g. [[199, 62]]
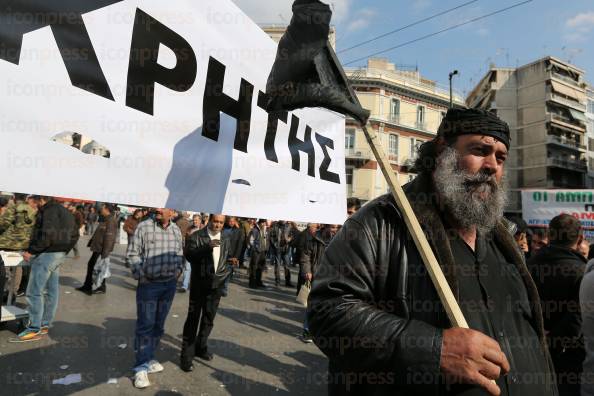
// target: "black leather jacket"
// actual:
[[373, 309], [199, 253]]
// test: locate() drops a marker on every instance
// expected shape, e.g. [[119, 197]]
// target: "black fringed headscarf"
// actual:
[[474, 122]]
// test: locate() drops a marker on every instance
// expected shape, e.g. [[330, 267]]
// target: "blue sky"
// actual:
[[564, 29]]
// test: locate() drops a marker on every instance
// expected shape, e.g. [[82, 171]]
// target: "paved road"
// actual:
[[255, 342]]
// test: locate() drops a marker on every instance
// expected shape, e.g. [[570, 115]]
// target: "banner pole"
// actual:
[[436, 274]]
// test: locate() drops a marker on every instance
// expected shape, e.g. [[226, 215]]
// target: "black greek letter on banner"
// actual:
[[305, 145], [325, 174], [71, 35], [272, 127], [215, 102], [143, 69]]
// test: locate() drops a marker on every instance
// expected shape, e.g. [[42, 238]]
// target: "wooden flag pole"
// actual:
[[437, 277]]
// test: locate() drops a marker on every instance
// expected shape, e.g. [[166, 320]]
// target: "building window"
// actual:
[[349, 176], [414, 148], [393, 145], [590, 106], [349, 139], [395, 110], [421, 117]]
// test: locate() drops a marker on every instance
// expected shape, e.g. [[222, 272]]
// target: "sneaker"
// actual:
[[181, 290], [44, 330], [155, 367], [141, 380], [306, 337], [27, 335]]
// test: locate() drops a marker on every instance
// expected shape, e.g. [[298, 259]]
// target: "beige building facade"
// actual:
[[544, 104], [590, 127], [406, 110]]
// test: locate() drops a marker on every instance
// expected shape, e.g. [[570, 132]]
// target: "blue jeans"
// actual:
[[153, 301], [43, 289], [187, 275]]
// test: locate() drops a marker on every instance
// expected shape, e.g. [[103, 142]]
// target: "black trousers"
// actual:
[[90, 266], [202, 311], [257, 263]]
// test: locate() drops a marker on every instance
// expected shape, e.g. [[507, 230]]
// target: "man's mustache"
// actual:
[[480, 179]]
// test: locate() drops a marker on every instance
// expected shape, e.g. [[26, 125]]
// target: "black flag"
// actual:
[[306, 72]]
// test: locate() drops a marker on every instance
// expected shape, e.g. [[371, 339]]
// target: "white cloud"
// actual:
[[579, 26], [361, 19], [279, 11], [583, 22]]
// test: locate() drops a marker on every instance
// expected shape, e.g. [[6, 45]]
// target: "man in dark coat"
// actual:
[[281, 234], [207, 251], [101, 244], [558, 270], [236, 236], [259, 243], [375, 312]]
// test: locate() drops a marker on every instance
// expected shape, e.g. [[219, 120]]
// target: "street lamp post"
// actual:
[[452, 74]]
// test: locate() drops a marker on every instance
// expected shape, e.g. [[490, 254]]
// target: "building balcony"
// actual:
[[358, 153], [564, 184], [395, 120], [576, 165], [566, 102], [567, 122], [568, 80], [565, 142]]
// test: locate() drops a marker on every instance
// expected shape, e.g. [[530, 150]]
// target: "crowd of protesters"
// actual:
[[167, 252], [171, 252]]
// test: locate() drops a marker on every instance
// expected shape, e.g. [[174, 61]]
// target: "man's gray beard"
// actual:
[[459, 191]]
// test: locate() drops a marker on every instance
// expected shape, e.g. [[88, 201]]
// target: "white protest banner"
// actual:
[[539, 207], [173, 90]]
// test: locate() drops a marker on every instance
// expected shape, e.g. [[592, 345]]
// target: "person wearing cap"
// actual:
[[375, 312]]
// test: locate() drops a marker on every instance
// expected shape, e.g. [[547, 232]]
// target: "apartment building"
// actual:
[[590, 128], [544, 103], [406, 110]]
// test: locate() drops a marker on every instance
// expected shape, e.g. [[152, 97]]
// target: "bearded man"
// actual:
[[375, 312]]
